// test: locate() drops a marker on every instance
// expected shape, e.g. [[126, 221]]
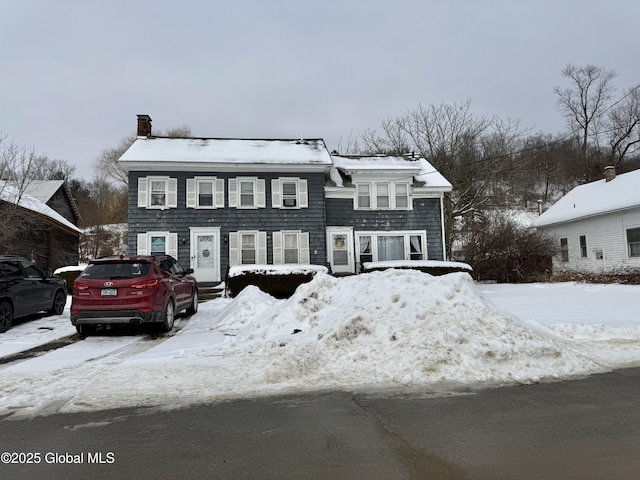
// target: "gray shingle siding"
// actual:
[[426, 215], [180, 219]]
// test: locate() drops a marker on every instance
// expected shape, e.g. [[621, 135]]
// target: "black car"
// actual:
[[26, 289]]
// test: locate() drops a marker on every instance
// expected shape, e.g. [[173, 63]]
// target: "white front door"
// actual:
[[340, 250], [205, 254]]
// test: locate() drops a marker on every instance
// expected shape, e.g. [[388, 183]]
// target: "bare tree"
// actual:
[[17, 164], [349, 147], [16, 169], [624, 127], [468, 150], [44, 168], [107, 166], [584, 105], [394, 140]]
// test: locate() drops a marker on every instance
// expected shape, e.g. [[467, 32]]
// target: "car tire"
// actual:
[[168, 316], [194, 305], [59, 302], [6, 316], [85, 330]]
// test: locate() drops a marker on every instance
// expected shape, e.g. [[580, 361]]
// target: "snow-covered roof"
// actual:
[[43, 190], [9, 193], [595, 198], [357, 163], [419, 168], [173, 152]]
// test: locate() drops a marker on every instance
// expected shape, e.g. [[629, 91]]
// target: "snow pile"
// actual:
[[402, 327], [391, 329]]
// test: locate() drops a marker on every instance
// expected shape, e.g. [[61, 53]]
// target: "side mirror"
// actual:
[[188, 271]]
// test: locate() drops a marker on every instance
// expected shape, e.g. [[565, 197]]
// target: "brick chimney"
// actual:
[[144, 126], [609, 173]]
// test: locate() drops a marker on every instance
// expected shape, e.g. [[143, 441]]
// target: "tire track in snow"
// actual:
[[62, 373]]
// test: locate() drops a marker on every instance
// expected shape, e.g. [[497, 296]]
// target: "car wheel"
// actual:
[[194, 306], [169, 317], [6, 316], [59, 302]]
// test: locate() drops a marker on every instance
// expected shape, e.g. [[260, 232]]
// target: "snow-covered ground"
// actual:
[[398, 329]]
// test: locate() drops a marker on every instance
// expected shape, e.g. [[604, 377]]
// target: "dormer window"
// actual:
[[402, 195], [382, 196], [364, 195]]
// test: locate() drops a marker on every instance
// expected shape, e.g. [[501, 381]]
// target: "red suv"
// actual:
[[132, 290]]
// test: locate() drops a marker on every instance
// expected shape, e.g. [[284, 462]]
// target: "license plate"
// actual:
[[109, 292]]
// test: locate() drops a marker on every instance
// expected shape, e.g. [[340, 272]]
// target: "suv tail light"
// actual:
[[146, 284], [80, 287]]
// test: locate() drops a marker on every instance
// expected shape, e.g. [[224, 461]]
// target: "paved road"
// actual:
[[581, 429]]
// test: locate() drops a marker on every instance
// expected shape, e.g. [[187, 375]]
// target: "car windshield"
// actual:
[[112, 271]]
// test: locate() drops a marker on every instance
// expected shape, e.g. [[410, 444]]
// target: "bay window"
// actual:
[[387, 246]]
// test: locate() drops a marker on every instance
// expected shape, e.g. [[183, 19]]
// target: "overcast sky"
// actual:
[[74, 73]]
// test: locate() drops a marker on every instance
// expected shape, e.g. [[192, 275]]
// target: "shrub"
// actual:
[[624, 277], [69, 274], [279, 281], [502, 250]]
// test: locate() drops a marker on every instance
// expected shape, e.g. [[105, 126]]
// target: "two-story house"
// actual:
[[215, 202]]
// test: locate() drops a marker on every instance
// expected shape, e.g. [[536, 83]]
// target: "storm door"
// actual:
[[205, 254], [340, 250]]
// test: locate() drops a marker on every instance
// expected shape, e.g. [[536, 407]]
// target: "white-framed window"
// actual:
[[290, 247], [564, 249], [583, 246], [385, 246], [247, 248], [402, 195], [382, 196], [364, 195], [205, 192], [289, 193], [157, 243], [633, 241], [247, 192], [157, 192]]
